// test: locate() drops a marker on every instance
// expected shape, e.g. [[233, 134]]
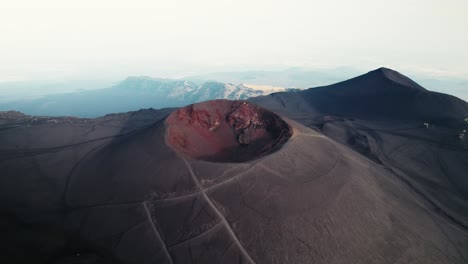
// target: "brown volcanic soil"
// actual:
[[226, 131]]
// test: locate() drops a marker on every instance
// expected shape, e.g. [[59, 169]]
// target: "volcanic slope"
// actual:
[[382, 94], [86, 193], [415, 133]]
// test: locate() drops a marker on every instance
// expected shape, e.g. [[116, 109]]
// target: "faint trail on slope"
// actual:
[[70, 173], [415, 191], [233, 178], [421, 192], [20, 153], [171, 199], [213, 228], [309, 135], [156, 232], [39, 151], [218, 213], [211, 187], [275, 173]]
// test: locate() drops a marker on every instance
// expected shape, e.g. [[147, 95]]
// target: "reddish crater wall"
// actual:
[[225, 131]]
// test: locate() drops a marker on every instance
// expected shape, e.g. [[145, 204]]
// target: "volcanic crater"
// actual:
[[226, 131]]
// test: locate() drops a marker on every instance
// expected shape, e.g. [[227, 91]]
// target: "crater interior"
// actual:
[[226, 131]]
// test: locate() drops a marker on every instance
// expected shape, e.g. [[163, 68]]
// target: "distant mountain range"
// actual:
[[141, 92], [292, 77], [307, 78], [135, 93]]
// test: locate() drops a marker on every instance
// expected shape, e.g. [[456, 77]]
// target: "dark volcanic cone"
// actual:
[[226, 131], [382, 94]]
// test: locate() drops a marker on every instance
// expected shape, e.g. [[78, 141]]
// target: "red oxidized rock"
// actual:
[[225, 131]]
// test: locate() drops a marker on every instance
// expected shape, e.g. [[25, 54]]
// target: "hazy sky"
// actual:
[[50, 39]]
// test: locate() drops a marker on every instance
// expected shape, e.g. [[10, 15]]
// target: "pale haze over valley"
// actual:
[[95, 44]]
